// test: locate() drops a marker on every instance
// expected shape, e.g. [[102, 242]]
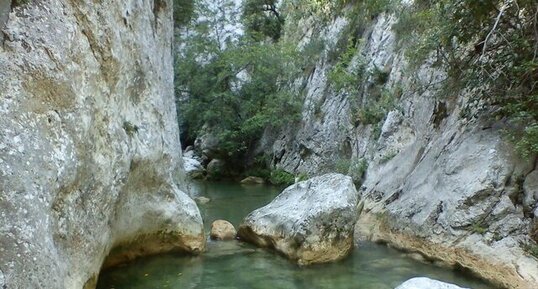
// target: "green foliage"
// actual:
[[262, 19], [20, 2], [376, 108], [302, 177], [358, 169], [478, 228], [355, 170], [531, 249], [389, 156], [234, 87], [281, 177], [490, 47], [183, 12], [344, 75], [342, 166]]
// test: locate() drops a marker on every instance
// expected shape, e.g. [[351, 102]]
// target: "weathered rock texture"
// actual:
[[222, 230], [310, 222], [441, 178], [89, 145], [426, 283]]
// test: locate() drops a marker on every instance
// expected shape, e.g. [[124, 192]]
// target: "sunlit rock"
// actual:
[[309, 222], [222, 230], [426, 283]]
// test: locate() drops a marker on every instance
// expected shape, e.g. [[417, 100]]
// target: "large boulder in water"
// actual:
[[426, 283], [310, 222]]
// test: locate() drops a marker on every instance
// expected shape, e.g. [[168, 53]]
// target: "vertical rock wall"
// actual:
[[89, 145], [437, 181]]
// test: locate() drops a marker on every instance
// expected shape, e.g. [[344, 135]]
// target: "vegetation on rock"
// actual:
[[235, 87], [488, 48]]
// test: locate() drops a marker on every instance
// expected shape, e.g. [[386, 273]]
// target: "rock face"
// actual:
[[530, 190], [437, 179], [89, 161], [310, 222], [215, 169], [426, 283], [222, 230]]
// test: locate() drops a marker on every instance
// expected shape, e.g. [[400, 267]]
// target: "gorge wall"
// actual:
[[434, 179], [89, 145]]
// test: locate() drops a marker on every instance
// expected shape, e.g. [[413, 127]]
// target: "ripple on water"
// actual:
[[234, 265]]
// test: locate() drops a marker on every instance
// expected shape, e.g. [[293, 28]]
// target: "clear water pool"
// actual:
[[235, 265]]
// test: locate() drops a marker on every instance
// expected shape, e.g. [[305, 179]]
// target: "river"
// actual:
[[235, 265]]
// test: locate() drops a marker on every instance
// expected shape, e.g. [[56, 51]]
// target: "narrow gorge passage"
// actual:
[[232, 264]]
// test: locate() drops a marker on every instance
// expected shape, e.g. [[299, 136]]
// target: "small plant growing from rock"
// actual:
[[389, 156], [478, 228], [531, 249], [130, 128], [15, 3], [281, 177]]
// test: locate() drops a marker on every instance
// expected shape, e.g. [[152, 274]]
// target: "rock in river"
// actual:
[[309, 222], [426, 283], [252, 181], [222, 230]]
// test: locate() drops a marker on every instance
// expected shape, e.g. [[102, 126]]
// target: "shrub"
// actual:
[[280, 177], [531, 249], [478, 228], [488, 47]]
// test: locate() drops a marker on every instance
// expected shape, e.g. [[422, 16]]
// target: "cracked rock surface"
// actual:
[[309, 222], [89, 145]]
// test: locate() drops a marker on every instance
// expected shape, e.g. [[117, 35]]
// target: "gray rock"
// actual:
[[207, 143], [215, 169], [530, 189], [310, 222], [193, 168], [89, 160], [426, 283], [5, 8], [433, 177], [2, 280]]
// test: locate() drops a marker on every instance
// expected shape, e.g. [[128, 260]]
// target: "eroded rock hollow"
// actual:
[[89, 158]]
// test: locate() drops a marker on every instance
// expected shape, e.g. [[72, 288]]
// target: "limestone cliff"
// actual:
[[89, 145], [435, 180]]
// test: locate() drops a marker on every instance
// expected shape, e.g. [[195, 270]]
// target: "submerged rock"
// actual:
[[309, 222], [253, 181], [426, 283], [222, 230], [202, 200], [223, 249]]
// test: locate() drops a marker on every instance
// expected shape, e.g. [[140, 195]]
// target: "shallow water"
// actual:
[[234, 265]]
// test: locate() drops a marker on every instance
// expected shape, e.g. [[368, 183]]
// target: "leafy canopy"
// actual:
[[232, 85]]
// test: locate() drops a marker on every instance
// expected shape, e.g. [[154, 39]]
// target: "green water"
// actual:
[[234, 265]]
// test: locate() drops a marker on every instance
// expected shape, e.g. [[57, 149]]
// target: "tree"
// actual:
[[487, 47], [262, 19], [232, 85]]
